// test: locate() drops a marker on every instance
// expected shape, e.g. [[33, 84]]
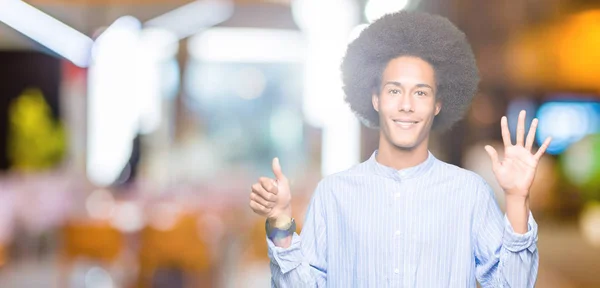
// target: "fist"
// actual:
[[271, 198]]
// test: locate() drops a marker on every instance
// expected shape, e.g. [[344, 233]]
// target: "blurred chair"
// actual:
[[3, 257], [178, 248], [96, 241]]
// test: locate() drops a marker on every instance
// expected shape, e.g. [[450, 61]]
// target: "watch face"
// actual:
[[280, 232], [283, 223]]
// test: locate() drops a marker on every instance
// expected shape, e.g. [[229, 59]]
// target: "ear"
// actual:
[[375, 100], [438, 107]]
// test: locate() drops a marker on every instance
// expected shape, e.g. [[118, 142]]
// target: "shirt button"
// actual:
[[397, 195], [397, 233], [397, 271]]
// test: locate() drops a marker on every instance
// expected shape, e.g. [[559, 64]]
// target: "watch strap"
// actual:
[[279, 233]]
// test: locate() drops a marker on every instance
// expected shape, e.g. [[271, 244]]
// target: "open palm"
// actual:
[[515, 173]]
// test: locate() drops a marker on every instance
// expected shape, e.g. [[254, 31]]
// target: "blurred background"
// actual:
[[132, 130]]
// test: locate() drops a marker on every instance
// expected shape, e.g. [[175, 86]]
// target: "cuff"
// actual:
[[515, 242], [286, 258]]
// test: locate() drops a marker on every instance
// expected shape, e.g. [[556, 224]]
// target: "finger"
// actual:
[[258, 199], [543, 148], [268, 184], [259, 208], [277, 169], [259, 190], [521, 128], [493, 156], [531, 134], [505, 132]]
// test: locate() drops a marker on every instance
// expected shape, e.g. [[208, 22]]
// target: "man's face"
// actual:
[[407, 102]]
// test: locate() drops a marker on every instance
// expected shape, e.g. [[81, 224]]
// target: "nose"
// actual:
[[406, 103]]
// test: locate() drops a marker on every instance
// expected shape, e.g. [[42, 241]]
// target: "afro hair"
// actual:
[[429, 37]]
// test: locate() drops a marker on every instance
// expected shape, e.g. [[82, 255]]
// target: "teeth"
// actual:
[[406, 122]]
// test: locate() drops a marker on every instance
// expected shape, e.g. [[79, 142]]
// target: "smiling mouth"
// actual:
[[405, 124]]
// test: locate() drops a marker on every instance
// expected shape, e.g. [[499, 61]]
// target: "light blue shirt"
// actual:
[[431, 225]]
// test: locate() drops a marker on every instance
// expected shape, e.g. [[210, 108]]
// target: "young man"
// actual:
[[404, 218]]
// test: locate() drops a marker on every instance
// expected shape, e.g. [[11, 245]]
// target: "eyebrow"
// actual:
[[420, 85]]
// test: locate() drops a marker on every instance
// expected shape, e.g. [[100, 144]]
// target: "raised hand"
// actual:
[[515, 173], [271, 198]]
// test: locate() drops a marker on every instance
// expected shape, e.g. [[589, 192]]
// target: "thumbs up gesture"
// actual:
[[271, 198]]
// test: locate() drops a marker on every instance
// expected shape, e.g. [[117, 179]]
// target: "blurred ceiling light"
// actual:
[[124, 29], [247, 45], [46, 30], [375, 9], [124, 93], [126, 22], [318, 16], [113, 117], [327, 26], [159, 43], [187, 20], [156, 46]]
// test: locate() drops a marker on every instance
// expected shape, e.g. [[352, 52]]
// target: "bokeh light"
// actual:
[[100, 204], [590, 223], [566, 122], [581, 165]]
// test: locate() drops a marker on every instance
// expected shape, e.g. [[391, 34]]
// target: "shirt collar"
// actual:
[[403, 174]]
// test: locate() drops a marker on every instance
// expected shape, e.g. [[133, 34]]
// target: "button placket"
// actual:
[[396, 232]]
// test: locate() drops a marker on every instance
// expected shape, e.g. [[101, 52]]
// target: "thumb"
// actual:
[[277, 169], [493, 155]]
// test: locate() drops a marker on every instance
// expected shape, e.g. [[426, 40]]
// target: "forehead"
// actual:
[[409, 70]]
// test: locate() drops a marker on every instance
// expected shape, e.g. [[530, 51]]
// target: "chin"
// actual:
[[405, 145]]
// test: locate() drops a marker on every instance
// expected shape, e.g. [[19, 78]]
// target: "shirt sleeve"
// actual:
[[304, 263], [503, 258]]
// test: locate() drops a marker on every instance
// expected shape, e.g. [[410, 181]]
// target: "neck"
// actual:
[[398, 158]]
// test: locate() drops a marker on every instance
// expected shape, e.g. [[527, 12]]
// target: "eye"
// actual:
[[421, 93], [394, 91]]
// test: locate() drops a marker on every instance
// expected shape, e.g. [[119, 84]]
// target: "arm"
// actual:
[[505, 247], [304, 262], [503, 257]]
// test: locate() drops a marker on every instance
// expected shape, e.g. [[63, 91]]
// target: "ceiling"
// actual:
[[87, 16]]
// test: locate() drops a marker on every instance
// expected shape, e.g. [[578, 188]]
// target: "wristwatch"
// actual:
[[282, 228]]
